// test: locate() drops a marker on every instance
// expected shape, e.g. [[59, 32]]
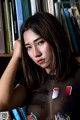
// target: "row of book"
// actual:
[[12, 15], [18, 113], [14, 12], [68, 13]]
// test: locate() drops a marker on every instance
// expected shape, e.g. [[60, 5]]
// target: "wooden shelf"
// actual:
[[5, 55]]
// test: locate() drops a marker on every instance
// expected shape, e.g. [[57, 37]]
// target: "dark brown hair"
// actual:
[[49, 28]]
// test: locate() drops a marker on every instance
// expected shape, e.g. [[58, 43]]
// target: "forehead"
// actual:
[[30, 36]]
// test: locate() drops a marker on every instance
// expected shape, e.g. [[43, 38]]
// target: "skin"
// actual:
[[39, 49], [11, 97]]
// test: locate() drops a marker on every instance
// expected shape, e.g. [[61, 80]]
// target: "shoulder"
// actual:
[[74, 81], [74, 99], [76, 77], [77, 74]]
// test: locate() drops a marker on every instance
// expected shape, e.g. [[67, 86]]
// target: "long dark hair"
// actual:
[[49, 28]]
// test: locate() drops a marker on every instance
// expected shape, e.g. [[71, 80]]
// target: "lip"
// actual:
[[40, 61]]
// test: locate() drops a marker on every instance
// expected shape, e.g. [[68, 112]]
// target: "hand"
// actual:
[[17, 49]]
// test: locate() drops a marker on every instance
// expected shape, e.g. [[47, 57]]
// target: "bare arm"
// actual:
[[9, 96]]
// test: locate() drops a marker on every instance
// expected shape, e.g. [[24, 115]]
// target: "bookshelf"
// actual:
[[5, 55], [64, 11], [4, 59], [11, 9], [12, 13]]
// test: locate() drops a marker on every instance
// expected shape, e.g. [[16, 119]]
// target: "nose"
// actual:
[[36, 52]]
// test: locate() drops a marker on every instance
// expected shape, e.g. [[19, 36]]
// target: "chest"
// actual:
[[52, 98]]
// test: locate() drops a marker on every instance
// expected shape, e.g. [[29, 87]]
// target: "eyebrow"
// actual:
[[34, 40]]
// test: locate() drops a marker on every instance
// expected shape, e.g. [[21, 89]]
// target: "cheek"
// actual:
[[47, 51], [31, 56]]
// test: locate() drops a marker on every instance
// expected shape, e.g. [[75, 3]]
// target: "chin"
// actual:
[[44, 66]]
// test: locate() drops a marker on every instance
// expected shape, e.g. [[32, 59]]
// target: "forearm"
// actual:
[[7, 80]]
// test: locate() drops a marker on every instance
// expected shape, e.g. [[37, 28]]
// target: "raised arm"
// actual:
[[11, 97]]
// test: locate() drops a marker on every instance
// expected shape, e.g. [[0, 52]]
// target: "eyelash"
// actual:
[[41, 42], [28, 48]]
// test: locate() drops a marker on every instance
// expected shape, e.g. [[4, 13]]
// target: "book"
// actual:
[[38, 6], [71, 30], [22, 111], [76, 30], [19, 15], [51, 7], [64, 23], [75, 26], [58, 11], [76, 14], [11, 115], [44, 4], [2, 38], [26, 9], [16, 114], [6, 26], [11, 23], [14, 18], [33, 6], [19, 113]]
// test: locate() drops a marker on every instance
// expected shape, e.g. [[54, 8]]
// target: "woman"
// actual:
[[47, 63]]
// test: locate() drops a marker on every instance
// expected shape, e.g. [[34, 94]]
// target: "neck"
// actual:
[[51, 71]]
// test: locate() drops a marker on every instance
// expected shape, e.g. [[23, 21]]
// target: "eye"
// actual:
[[41, 42], [28, 48]]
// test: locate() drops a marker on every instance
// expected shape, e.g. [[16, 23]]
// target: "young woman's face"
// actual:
[[38, 49]]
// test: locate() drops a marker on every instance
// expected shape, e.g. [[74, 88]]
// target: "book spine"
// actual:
[[26, 9], [33, 6], [64, 23], [58, 12], [6, 26], [16, 114], [11, 22], [73, 37], [22, 112], [11, 115], [76, 13], [14, 15], [76, 30], [51, 6], [19, 14], [2, 39], [38, 6], [45, 5]]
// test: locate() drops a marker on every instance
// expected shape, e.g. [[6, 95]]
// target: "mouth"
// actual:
[[40, 61]]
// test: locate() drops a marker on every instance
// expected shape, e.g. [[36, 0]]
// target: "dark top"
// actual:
[[54, 101]]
